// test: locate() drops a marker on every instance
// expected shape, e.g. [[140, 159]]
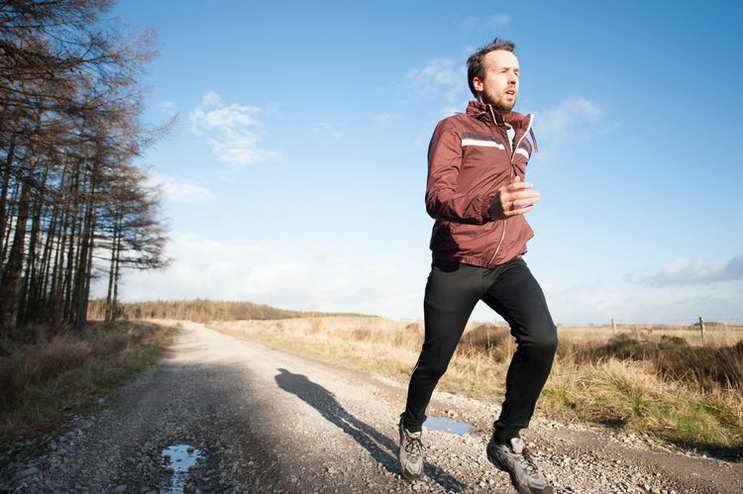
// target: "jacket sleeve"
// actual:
[[444, 164]]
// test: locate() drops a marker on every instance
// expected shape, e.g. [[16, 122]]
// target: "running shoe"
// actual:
[[515, 459], [410, 454]]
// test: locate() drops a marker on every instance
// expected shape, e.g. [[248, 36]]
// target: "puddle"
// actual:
[[177, 461], [442, 424]]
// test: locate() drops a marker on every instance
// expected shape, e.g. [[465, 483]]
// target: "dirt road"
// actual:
[[252, 419]]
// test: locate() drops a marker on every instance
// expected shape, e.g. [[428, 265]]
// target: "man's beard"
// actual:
[[499, 107], [504, 108]]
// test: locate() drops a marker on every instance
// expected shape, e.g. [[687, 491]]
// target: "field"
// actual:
[[727, 335], [663, 380]]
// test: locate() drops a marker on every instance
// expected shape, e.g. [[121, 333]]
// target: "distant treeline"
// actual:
[[201, 310]]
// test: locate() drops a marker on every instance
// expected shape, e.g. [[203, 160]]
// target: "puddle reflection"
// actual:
[[177, 461], [443, 424]]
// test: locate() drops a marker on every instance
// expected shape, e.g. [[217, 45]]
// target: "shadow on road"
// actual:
[[368, 437]]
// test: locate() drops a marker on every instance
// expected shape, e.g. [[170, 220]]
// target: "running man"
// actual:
[[478, 195]]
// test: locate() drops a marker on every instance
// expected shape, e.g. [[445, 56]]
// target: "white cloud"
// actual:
[[450, 110], [500, 20], [674, 308], [168, 107], [693, 271], [442, 79], [332, 278], [329, 129], [439, 76], [230, 130], [180, 191], [599, 301], [318, 277], [571, 115], [385, 118], [487, 22]]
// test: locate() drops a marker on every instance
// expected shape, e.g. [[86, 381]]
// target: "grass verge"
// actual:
[[691, 397], [43, 383]]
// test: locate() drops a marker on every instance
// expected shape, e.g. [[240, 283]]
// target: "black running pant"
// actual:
[[509, 289]]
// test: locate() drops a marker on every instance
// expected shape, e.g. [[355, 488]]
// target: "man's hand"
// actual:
[[512, 199]]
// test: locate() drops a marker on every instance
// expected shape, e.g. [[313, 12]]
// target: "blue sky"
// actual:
[[295, 175]]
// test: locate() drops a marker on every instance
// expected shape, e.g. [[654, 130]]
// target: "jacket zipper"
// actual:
[[503, 235], [505, 220], [513, 154], [510, 160], [528, 128]]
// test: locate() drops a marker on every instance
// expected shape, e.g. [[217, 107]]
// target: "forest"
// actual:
[[74, 207]]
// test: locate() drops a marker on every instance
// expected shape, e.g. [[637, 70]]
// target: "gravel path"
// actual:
[[252, 419]]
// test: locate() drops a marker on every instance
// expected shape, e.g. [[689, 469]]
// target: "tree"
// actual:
[[70, 106]]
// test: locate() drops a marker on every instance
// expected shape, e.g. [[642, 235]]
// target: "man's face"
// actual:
[[500, 86]]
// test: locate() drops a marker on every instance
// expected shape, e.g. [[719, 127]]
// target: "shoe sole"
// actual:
[[410, 476]]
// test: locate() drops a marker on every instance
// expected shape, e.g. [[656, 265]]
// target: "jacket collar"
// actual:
[[487, 112]]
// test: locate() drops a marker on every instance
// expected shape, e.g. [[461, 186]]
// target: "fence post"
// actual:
[[701, 328]]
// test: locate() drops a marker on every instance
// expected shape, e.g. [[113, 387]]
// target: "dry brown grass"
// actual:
[[42, 379], [690, 395], [716, 336]]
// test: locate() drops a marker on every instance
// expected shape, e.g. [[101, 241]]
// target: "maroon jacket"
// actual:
[[470, 157]]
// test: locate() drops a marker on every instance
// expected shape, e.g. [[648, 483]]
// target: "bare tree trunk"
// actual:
[[117, 264], [43, 294], [67, 298], [24, 300], [55, 236], [27, 303], [86, 295], [10, 289], [57, 277], [82, 274], [8, 232], [112, 273], [4, 206]]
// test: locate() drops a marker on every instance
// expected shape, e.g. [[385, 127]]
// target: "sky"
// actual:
[[295, 174]]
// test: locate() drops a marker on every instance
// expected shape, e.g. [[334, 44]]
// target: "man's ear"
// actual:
[[477, 84]]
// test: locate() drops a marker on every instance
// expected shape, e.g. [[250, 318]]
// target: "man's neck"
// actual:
[[497, 114], [496, 108]]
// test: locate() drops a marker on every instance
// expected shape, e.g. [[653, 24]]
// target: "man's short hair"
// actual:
[[474, 62]]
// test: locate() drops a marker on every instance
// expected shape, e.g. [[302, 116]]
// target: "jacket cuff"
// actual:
[[495, 211]]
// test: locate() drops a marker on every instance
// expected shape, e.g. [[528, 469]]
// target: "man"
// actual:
[[477, 194]]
